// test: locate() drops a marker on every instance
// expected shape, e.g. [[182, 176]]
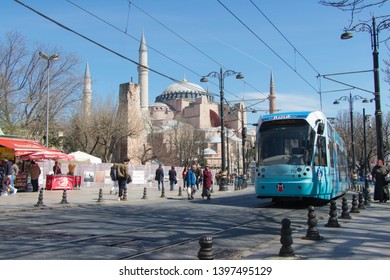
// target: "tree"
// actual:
[[23, 87], [101, 134], [343, 128], [178, 145], [354, 6]]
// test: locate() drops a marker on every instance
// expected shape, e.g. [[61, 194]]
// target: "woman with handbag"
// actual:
[[379, 173]]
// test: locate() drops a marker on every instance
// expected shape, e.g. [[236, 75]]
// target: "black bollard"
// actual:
[[312, 232], [333, 222], [206, 248], [180, 191], [64, 198], [367, 197], [354, 208], [145, 196], [286, 239], [361, 201], [345, 214], [162, 192], [100, 199], [40, 199]]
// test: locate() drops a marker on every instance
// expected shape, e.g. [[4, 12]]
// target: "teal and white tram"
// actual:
[[299, 156]]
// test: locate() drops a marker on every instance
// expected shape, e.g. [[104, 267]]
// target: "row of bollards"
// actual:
[[40, 199], [100, 196], [312, 232], [206, 242]]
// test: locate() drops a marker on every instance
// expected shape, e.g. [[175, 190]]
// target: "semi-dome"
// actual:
[[183, 90]]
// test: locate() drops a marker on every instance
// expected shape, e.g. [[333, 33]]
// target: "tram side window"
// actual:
[[342, 160], [331, 155], [320, 158], [331, 144]]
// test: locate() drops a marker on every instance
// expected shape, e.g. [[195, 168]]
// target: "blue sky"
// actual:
[[197, 37]]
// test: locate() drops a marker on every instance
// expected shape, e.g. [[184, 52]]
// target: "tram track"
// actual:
[[258, 216]]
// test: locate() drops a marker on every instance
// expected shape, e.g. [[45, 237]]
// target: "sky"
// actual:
[[298, 41]]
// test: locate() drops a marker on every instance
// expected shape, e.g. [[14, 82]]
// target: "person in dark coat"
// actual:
[[159, 176], [172, 178], [379, 173], [207, 182]]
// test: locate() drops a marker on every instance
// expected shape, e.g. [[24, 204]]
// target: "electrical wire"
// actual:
[[186, 41], [288, 41], [269, 47]]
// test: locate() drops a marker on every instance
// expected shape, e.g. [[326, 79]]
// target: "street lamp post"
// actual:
[[221, 77], [366, 188], [49, 59], [374, 30], [350, 100]]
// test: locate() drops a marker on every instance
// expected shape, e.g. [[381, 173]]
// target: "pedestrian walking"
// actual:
[[184, 176], [7, 178], [35, 171], [122, 175], [191, 182], [114, 178], [172, 178], [207, 182], [159, 177], [15, 171], [379, 173]]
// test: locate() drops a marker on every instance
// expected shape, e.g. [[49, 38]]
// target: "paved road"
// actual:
[[242, 227]]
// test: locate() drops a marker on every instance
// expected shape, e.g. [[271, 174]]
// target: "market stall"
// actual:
[[13, 148], [55, 181]]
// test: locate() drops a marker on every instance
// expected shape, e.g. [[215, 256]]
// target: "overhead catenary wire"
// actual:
[[97, 43], [288, 41], [186, 41], [113, 51], [149, 46], [268, 46]]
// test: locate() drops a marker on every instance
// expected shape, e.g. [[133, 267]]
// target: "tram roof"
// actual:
[[310, 116]]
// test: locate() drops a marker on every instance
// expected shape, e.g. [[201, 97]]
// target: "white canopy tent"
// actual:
[[82, 157]]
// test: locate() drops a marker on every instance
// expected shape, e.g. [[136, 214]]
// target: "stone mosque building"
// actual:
[[182, 100]]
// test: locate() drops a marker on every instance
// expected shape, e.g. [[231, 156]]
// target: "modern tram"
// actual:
[[299, 156]]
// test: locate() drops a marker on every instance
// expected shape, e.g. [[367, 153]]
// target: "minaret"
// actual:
[[272, 96], [143, 76], [87, 98]]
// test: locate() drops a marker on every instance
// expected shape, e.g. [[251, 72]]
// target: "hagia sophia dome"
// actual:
[[183, 90]]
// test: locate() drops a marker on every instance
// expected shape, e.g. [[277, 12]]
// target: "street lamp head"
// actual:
[[336, 102], [49, 58], [43, 55], [240, 76], [365, 100], [204, 80], [346, 35], [54, 56]]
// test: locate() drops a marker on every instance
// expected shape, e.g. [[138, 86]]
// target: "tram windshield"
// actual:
[[285, 142]]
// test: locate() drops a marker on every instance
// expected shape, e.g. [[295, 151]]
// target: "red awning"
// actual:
[[46, 155], [21, 146]]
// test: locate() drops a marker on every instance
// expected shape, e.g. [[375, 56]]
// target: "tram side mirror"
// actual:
[[320, 128]]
